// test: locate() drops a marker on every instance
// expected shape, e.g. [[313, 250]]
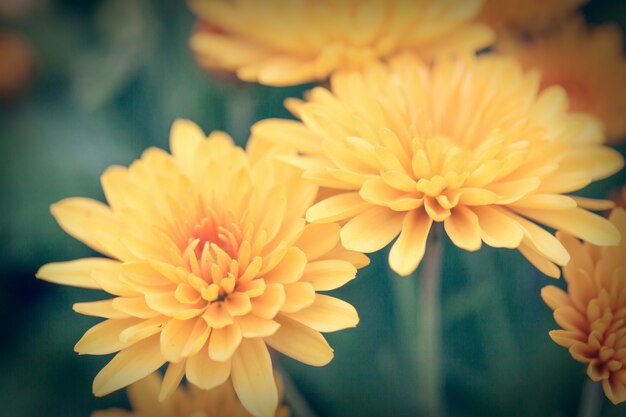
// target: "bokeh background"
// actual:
[[100, 81]]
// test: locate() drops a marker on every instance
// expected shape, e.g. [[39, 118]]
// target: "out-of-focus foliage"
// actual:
[[111, 77]]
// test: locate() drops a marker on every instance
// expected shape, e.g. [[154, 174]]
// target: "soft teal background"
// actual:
[[112, 77]]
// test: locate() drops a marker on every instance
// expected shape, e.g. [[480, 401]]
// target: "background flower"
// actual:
[[589, 63], [593, 310], [291, 42], [188, 401], [506, 15], [211, 261], [469, 143]]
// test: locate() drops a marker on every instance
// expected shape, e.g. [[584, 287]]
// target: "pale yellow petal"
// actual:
[[128, 366], [182, 338], [336, 208], [328, 274], [253, 378], [371, 230], [463, 228], [327, 314], [300, 342], [407, 252], [224, 342], [104, 337], [76, 273], [204, 372]]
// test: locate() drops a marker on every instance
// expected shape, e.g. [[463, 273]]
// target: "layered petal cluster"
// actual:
[[468, 143], [588, 62], [592, 313], [286, 42], [187, 401], [209, 261], [526, 15]]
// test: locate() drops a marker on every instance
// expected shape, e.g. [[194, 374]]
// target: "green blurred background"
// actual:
[[110, 78]]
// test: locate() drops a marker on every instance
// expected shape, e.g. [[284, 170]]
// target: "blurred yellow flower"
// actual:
[[588, 62], [468, 143], [592, 312], [506, 15], [187, 401], [283, 42], [210, 261]]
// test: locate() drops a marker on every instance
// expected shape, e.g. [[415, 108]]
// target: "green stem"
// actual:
[[429, 375], [591, 400], [295, 399]]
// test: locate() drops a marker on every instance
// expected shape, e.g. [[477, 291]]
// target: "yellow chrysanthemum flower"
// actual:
[[285, 42], [505, 15], [210, 261], [187, 401], [592, 312], [588, 62], [466, 143]]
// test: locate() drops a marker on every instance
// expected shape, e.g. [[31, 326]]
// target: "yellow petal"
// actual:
[[578, 222], [498, 230], [76, 273], [93, 223], [238, 304], [463, 228], [300, 342], [204, 372], [539, 261], [371, 230], [143, 329], [128, 366], [171, 380], [104, 337], [253, 326], [327, 314], [318, 239], [217, 316], [182, 338], [289, 269], [329, 274], [336, 208], [224, 342], [554, 297], [185, 136], [102, 308], [269, 303], [407, 252], [134, 306], [253, 379], [298, 296]]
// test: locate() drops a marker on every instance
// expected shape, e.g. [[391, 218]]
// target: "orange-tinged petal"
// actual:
[[498, 230], [238, 304], [539, 261], [171, 380], [300, 342], [224, 342], [217, 316], [253, 379], [134, 306], [554, 297], [371, 230], [143, 329], [128, 366], [407, 252], [327, 314], [204, 372]]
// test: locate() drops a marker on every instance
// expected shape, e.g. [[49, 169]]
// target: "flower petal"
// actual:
[[253, 379], [224, 342], [463, 228], [104, 337], [407, 252], [328, 274], [300, 342], [336, 208], [204, 372], [327, 314], [371, 230], [128, 366]]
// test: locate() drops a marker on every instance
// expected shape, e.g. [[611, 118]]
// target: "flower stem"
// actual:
[[429, 375], [294, 397], [591, 400]]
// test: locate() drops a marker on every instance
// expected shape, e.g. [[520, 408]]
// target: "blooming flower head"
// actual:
[[592, 313], [283, 42], [187, 401], [467, 143], [210, 260], [588, 62], [506, 15]]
